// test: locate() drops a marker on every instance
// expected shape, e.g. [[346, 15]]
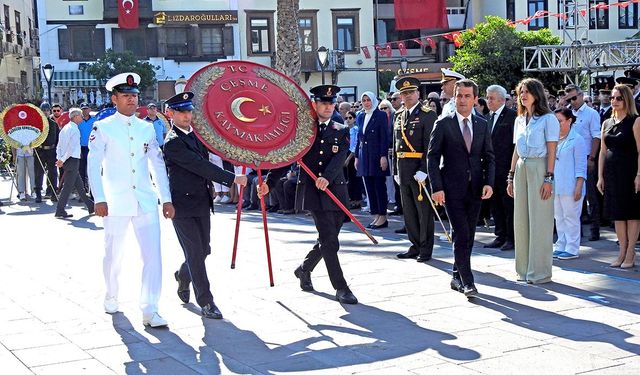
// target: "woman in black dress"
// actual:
[[619, 176]]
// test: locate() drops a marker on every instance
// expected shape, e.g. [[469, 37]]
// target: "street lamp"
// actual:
[[404, 65], [48, 70], [180, 84], [323, 56]]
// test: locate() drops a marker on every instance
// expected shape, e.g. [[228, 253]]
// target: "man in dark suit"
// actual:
[[325, 159], [500, 125], [46, 159], [411, 130], [462, 142], [190, 176]]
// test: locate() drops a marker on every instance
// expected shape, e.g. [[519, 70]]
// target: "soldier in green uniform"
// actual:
[[411, 131]]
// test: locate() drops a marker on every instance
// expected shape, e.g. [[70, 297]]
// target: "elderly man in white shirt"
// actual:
[[587, 125], [68, 157], [122, 147]]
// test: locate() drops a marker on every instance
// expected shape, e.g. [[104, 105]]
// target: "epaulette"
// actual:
[[170, 135], [425, 108], [338, 126]]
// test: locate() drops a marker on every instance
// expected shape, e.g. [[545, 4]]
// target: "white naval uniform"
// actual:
[[121, 149]]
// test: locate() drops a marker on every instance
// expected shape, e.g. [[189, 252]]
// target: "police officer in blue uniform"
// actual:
[[325, 159], [190, 181]]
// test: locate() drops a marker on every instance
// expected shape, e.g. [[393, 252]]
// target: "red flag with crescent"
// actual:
[[128, 14], [23, 125]]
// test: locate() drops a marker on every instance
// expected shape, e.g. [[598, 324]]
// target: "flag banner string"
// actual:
[[386, 49]]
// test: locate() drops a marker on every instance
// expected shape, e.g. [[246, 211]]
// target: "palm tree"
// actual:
[[288, 43]]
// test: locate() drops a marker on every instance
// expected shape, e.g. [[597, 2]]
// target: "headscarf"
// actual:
[[374, 100]]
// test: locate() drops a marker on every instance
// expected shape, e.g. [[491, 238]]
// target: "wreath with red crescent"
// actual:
[[251, 115], [23, 125]]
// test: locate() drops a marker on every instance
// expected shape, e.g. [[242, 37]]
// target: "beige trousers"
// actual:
[[533, 222]]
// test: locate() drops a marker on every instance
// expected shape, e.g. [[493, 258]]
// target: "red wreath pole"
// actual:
[[238, 213], [339, 204], [266, 229]]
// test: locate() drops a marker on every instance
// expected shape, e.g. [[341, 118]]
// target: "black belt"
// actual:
[[48, 147]]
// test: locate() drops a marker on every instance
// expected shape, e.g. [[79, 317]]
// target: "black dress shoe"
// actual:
[[183, 289], [273, 209], [38, 197], [507, 246], [402, 230], [380, 226], [305, 279], [408, 255], [211, 311], [345, 296], [594, 237], [470, 290], [395, 213], [494, 244], [423, 258], [54, 198], [64, 215], [456, 285]]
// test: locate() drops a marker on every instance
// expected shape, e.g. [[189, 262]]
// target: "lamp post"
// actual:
[[180, 84], [404, 65], [48, 70], [323, 56]]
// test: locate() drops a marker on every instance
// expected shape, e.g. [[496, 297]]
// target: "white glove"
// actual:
[[396, 178], [420, 176]]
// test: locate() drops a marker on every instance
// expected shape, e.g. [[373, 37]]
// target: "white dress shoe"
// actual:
[[154, 321], [217, 199], [110, 305], [225, 199]]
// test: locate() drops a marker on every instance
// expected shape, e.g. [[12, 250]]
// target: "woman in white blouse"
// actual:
[[530, 182], [569, 189]]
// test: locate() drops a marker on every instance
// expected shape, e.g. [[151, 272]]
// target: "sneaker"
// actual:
[[557, 252], [110, 305], [154, 321], [225, 199], [217, 199], [565, 256], [22, 197]]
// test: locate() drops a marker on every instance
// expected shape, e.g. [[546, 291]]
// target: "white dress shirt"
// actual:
[[496, 114], [461, 123], [68, 142], [587, 125]]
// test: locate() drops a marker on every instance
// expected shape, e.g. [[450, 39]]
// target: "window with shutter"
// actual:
[[228, 41], [64, 49]]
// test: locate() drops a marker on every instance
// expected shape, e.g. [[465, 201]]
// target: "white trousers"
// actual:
[[567, 214], [146, 226], [217, 160]]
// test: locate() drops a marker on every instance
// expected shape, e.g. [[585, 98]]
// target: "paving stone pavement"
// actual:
[[408, 320]]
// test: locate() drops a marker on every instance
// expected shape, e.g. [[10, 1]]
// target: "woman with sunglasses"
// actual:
[[619, 173], [530, 182], [371, 157], [570, 188]]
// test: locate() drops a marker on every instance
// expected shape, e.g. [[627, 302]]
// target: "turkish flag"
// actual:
[[420, 14], [128, 14]]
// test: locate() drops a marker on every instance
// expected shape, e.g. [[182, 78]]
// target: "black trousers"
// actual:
[[593, 199], [72, 180], [84, 153], [328, 224], [463, 215], [354, 184], [48, 159], [502, 211], [377, 192], [194, 237], [285, 192], [418, 219]]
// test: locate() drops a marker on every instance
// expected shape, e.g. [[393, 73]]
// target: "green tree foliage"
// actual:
[[120, 62], [492, 53]]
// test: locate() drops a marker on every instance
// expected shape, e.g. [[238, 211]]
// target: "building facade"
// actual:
[[179, 37], [19, 63]]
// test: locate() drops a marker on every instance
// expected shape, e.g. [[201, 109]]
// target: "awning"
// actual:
[[75, 78]]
